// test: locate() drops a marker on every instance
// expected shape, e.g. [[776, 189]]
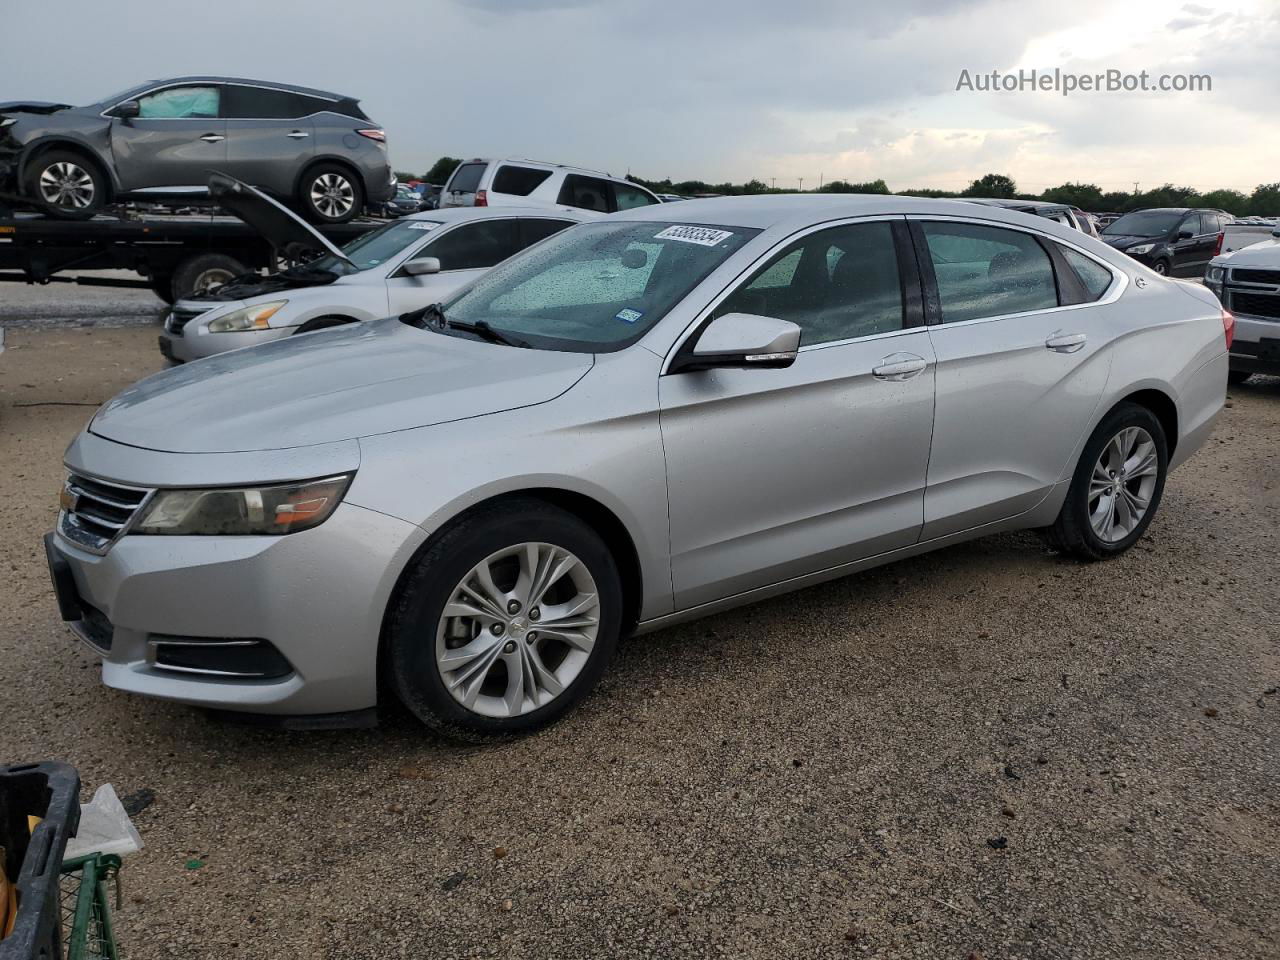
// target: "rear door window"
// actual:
[[531, 230], [986, 271], [180, 103], [518, 181], [587, 193], [261, 103], [466, 179], [1095, 277], [474, 246]]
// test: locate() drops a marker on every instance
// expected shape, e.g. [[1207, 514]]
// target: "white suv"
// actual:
[[493, 183]]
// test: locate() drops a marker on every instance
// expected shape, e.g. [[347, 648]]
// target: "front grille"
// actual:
[[1255, 304], [179, 318], [1255, 276], [95, 512]]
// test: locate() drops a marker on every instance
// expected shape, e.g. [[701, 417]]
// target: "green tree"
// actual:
[[844, 186], [927, 192], [1086, 196], [1116, 201], [441, 170], [992, 185], [403, 175], [1265, 201], [1232, 201]]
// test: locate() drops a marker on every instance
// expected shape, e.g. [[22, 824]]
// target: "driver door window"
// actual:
[[180, 103]]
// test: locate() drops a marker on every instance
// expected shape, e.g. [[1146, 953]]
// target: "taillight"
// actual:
[[1217, 247], [482, 198], [1229, 327], [374, 134]]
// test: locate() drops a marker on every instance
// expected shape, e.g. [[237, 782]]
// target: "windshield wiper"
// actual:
[[482, 329]]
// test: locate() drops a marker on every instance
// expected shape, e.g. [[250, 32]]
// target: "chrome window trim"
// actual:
[[735, 284], [105, 114]]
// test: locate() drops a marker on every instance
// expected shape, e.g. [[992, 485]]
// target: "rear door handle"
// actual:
[[1066, 342], [298, 134], [899, 366], [212, 138]]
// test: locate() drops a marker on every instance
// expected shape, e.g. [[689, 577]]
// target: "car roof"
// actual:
[[550, 165], [1039, 206], [762, 212], [292, 88], [457, 214]]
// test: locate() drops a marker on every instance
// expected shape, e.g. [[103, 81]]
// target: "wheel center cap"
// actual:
[[518, 626]]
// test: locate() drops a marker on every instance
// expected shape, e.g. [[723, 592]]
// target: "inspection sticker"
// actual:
[[628, 315], [423, 225], [702, 236]]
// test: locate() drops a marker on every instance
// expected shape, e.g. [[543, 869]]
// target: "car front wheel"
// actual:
[[66, 185], [505, 622], [1116, 487]]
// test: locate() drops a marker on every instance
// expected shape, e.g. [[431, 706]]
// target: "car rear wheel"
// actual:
[[330, 194], [66, 185], [505, 622], [1116, 487]]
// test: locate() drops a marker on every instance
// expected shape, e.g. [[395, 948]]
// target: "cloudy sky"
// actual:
[[722, 89]]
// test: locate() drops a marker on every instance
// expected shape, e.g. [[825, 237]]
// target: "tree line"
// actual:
[[1264, 201]]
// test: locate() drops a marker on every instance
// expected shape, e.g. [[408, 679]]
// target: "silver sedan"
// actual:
[[642, 420]]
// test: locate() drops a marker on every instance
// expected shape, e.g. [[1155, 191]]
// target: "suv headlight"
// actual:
[[1141, 248], [1214, 274], [243, 511], [246, 318]]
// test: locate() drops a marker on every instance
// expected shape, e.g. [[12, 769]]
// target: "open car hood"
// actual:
[[283, 228]]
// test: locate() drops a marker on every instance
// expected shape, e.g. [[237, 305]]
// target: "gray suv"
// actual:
[[316, 150]]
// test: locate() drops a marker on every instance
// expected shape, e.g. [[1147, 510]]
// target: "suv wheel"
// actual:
[[1116, 487], [66, 185], [1161, 267], [330, 194], [505, 622]]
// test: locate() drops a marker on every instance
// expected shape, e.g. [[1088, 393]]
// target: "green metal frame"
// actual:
[[87, 927]]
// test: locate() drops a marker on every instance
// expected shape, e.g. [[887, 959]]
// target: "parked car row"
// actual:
[[1247, 281], [464, 506]]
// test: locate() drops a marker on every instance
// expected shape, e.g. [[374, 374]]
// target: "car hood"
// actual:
[[1264, 253], [1121, 241], [32, 106], [281, 227], [367, 378]]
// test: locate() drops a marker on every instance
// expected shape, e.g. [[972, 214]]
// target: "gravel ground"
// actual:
[[986, 752], [58, 304]]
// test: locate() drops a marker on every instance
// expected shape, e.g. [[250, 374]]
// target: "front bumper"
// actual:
[[193, 343], [317, 596]]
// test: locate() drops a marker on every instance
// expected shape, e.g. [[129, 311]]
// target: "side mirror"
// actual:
[[422, 266], [127, 110], [1185, 234], [744, 340]]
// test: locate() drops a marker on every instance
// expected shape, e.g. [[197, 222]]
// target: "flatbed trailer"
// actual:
[[174, 255]]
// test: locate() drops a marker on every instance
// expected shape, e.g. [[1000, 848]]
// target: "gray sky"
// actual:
[[721, 89]]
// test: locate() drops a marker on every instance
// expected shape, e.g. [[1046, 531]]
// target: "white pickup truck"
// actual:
[[1239, 234], [1247, 281]]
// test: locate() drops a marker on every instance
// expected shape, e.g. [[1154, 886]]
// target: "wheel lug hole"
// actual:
[[513, 606]]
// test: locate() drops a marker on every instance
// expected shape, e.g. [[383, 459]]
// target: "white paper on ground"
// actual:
[[104, 827]]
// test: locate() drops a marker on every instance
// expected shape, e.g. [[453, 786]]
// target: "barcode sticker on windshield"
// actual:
[[702, 236], [423, 225]]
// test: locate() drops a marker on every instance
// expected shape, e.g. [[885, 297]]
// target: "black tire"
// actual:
[[411, 639], [162, 286], [323, 323], [1237, 377], [68, 165], [197, 274], [1161, 267], [345, 205], [1072, 532]]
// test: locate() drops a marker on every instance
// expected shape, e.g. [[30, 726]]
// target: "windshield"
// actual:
[[1144, 223], [596, 287], [376, 247]]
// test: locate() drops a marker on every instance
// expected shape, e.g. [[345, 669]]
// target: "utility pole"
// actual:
[[821, 174], [773, 183], [802, 184], [1135, 187]]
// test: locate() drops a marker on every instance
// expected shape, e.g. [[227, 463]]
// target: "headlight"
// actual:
[[246, 318], [1140, 248], [243, 511], [1214, 273]]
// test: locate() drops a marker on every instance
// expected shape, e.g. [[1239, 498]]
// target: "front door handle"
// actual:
[[298, 134], [212, 137], [1066, 342], [899, 366]]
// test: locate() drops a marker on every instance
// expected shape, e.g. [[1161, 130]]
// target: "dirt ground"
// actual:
[[987, 752]]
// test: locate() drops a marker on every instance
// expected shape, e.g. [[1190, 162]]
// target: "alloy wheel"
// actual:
[[1122, 484], [66, 184], [206, 280], [517, 630], [332, 195]]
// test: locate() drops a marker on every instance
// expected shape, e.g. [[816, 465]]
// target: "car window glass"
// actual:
[[629, 198], [1190, 224], [518, 181], [588, 193], [987, 271], [176, 103], [474, 246], [532, 230], [1095, 277], [466, 179], [839, 284], [261, 103]]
